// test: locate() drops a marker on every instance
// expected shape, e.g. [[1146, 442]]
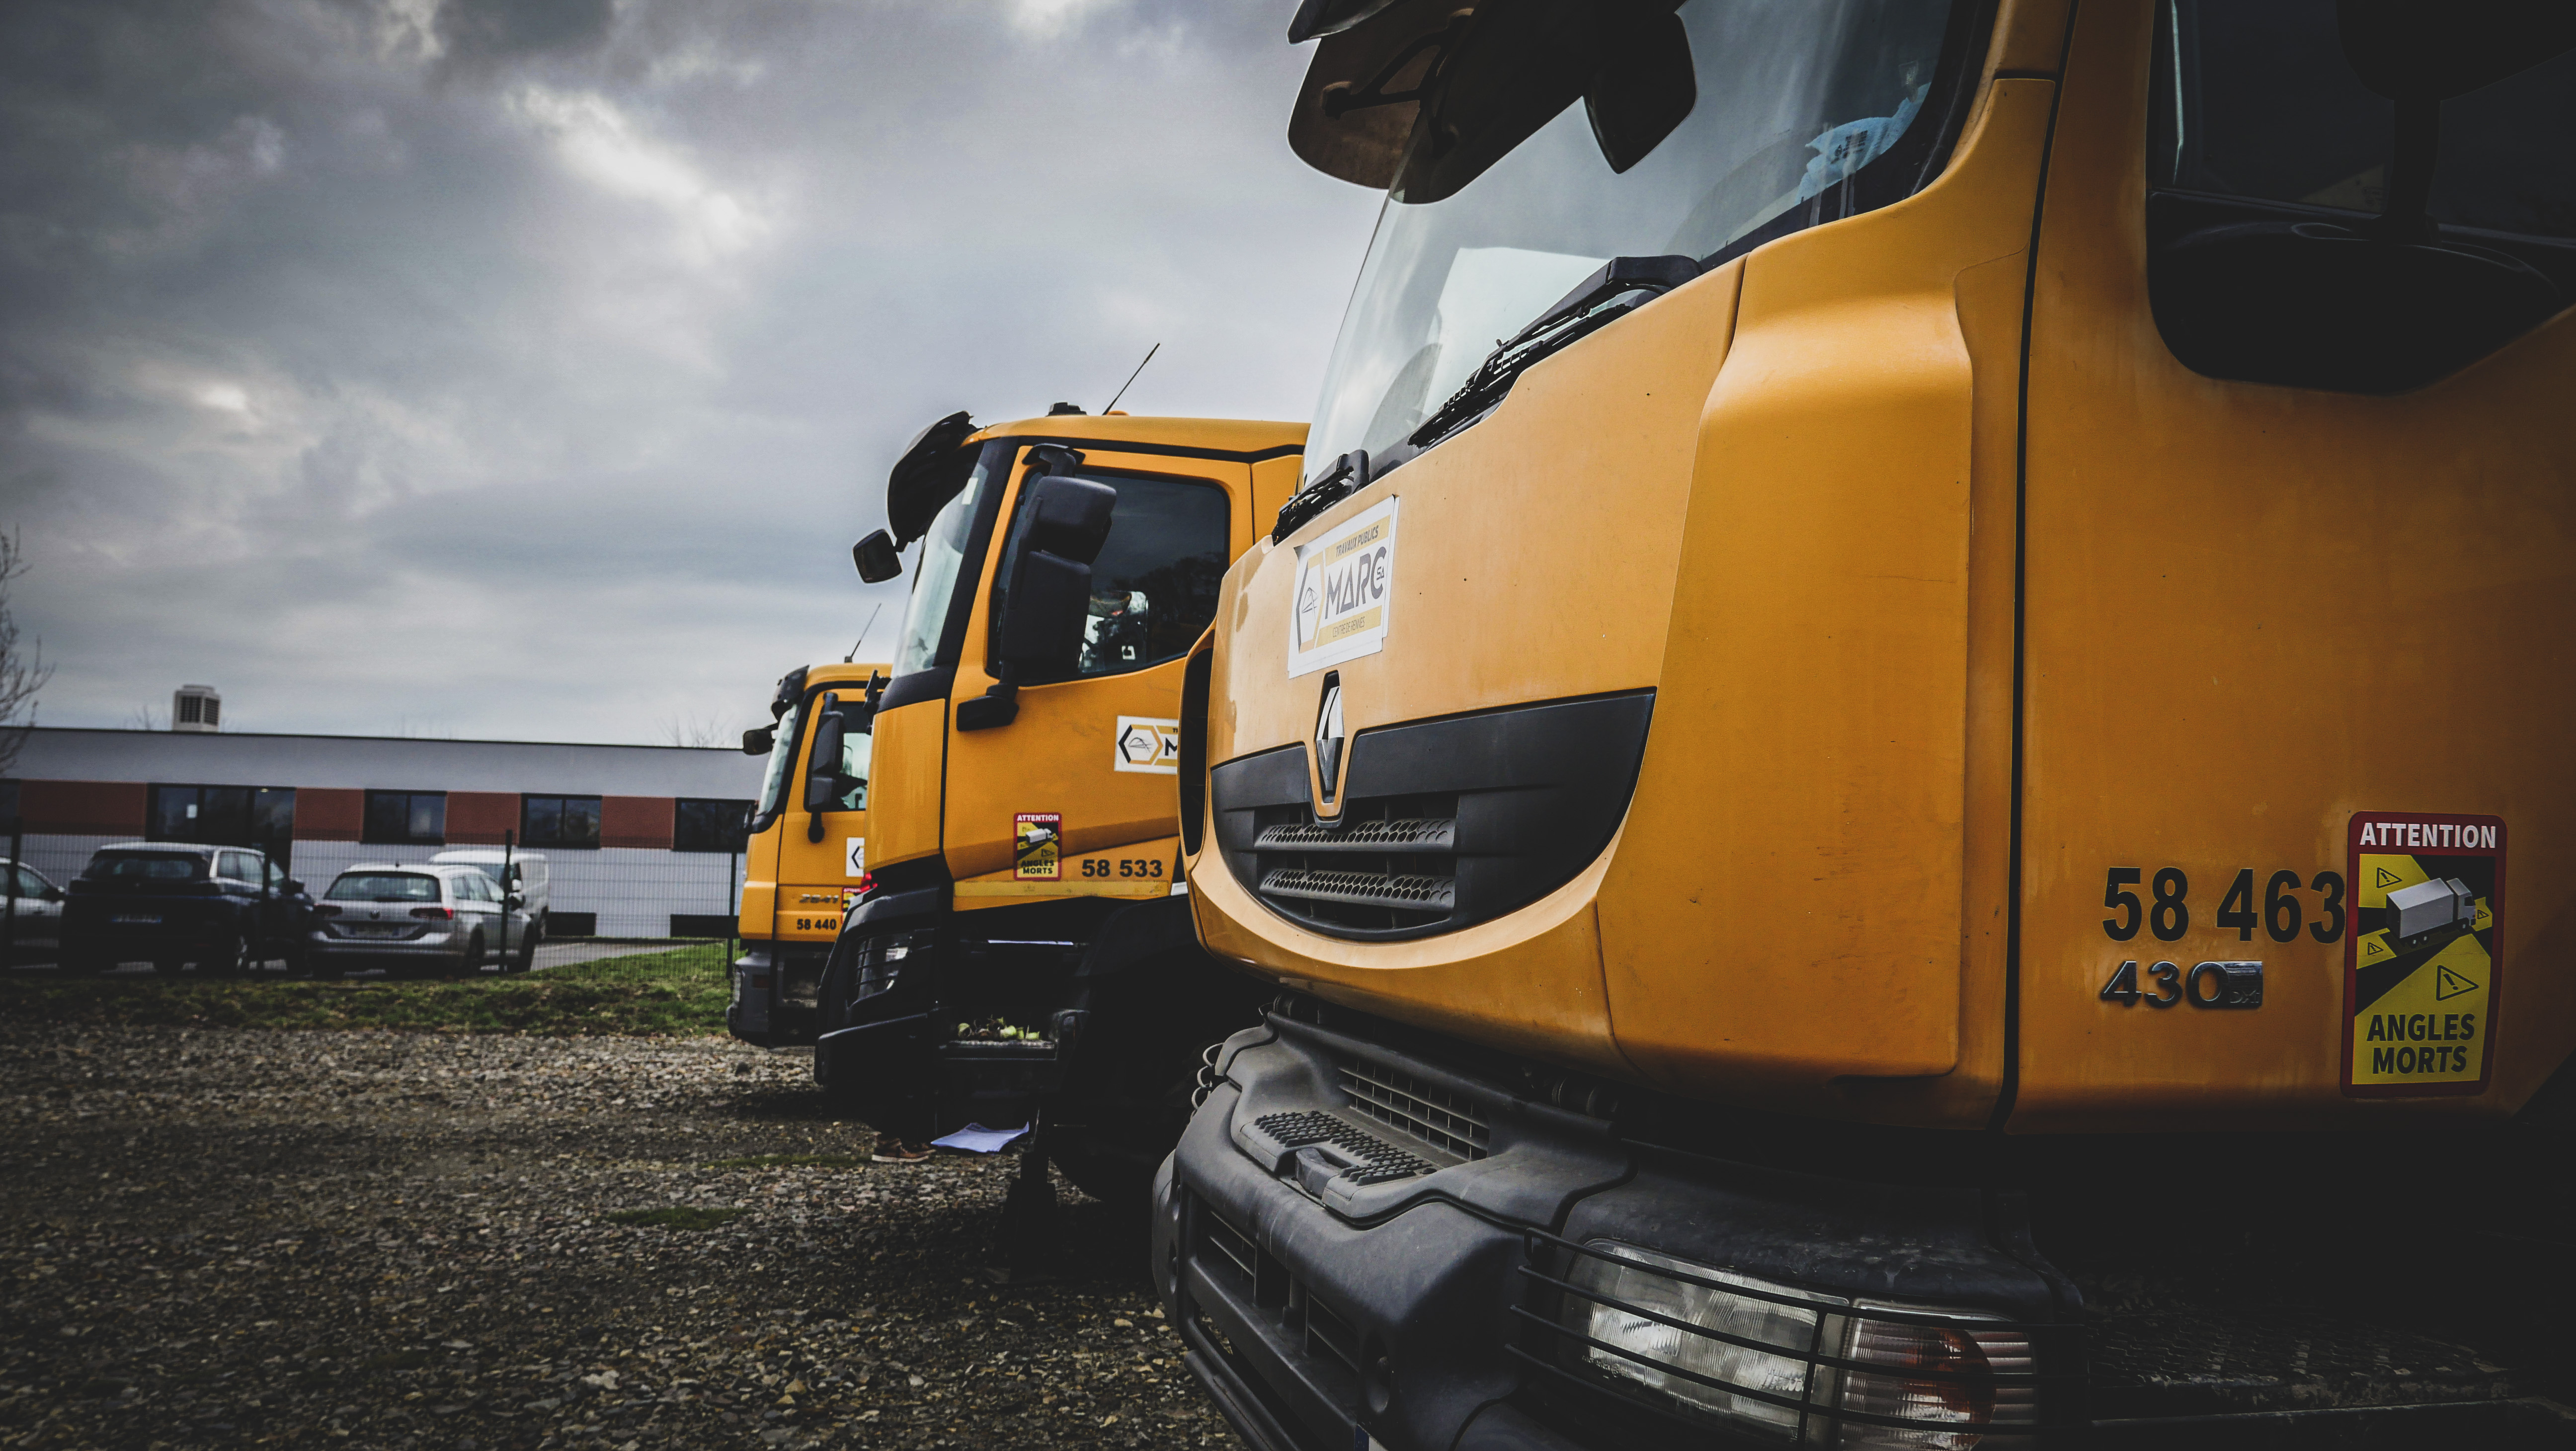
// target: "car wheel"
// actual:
[[473, 956], [232, 959], [528, 950], [165, 966]]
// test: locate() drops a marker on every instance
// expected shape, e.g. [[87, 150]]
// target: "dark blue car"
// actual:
[[221, 909]]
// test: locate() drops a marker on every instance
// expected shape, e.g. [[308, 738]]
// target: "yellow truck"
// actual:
[[806, 858], [1024, 954], [1864, 766]]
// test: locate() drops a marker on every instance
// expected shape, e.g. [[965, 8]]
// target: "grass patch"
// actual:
[[678, 1217], [680, 993], [790, 1161]]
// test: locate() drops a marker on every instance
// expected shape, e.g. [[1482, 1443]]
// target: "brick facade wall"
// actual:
[[96, 808], [639, 821], [329, 813], [477, 818]]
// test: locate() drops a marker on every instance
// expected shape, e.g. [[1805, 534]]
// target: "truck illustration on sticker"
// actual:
[[2424, 953]]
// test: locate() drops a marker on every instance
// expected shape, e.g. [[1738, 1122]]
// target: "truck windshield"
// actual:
[[934, 578], [786, 738], [1793, 98]]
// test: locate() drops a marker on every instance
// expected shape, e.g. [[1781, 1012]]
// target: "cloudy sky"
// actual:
[[524, 368]]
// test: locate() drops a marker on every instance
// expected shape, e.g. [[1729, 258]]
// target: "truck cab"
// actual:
[[806, 857], [1022, 942], [1877, 764]]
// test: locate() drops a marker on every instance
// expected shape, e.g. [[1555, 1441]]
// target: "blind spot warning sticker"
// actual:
[[2426, 947], [1037, 846], [854, 856]]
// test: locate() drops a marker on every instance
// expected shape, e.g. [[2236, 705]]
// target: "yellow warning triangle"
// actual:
[[2449, 984], [2386, 878]]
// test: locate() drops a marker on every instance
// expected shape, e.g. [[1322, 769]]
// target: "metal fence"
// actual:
[[609, 892]]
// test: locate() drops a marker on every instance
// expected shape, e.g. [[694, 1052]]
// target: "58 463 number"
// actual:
[[2168, 916]]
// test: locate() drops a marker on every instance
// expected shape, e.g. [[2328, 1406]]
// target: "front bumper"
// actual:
[[776, 995], [1328, 1294]]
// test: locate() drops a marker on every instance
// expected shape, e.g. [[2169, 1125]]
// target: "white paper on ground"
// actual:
[[977, 1139]]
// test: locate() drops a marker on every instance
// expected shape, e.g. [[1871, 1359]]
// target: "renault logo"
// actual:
[[1328, 735]]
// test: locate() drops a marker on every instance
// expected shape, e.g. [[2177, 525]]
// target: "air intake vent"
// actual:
[[1434, 1115], [1418, 833], [1363, 889]]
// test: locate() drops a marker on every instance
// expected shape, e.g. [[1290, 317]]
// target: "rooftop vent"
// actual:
[[196, 708]]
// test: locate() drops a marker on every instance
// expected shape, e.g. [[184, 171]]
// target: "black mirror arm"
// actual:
[[1341, 97], [999, 705], [2406, 217]]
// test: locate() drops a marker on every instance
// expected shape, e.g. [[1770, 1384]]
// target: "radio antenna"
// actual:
[[863, 633], [1131, 378]]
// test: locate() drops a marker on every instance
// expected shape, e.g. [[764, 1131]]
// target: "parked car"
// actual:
[[39, 909], [529, 878], [220, 909], [432, 917]]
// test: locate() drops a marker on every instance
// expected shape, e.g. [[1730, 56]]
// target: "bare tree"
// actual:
[[23, 673], [695, 730], [143, 718]]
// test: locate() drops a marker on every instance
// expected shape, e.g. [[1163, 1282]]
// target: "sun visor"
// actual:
[[928, 475], [1363, 145]]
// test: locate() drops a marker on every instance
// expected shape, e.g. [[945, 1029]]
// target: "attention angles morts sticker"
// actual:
[[2425, 951]]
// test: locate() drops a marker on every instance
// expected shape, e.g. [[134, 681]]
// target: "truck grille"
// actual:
[[1434, 1115], [1230, 1256], [1388, 863]]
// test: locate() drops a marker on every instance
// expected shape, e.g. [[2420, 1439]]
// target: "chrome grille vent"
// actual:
[[1419, 833], [1434, 1115], [1362, 889]]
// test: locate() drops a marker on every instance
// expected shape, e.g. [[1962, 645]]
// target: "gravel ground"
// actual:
[[218, 1238]]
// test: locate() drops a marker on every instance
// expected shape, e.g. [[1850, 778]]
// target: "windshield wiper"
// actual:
[[1595, 303], [1622, 285]]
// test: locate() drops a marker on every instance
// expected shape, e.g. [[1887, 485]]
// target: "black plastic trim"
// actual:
[[1170, 450], [920, 685], [1540, 789]]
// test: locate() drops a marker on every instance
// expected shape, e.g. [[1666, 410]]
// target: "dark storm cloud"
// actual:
[[526, 370]]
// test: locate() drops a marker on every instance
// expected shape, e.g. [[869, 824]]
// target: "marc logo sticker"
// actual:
[[1345, 592], [1146, 743]]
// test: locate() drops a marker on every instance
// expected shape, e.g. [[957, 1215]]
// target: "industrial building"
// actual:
[[643, 840]]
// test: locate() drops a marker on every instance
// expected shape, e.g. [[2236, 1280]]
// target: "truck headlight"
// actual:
[[1714, 1346]]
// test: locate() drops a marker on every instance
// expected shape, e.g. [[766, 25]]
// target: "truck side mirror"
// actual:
[[877, 558], [1047, 592], [823, 767], [757, 742]]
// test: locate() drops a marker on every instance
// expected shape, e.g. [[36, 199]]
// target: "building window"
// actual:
[[709, 825], [8, 803], [559, 821], [260, 816], [406, 818]]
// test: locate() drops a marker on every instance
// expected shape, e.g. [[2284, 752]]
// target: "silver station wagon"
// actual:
[[433, 918]]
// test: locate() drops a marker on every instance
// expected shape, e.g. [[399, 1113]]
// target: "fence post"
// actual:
[[9, 918], [733, 909], [509, 889]]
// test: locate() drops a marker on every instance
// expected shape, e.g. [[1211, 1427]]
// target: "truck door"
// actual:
[[2298, 593], [822, 853], [1075, 795]]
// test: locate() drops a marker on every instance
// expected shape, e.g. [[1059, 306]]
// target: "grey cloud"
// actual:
[[596, 349]]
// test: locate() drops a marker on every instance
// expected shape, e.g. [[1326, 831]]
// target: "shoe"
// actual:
[[899, 1151]]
